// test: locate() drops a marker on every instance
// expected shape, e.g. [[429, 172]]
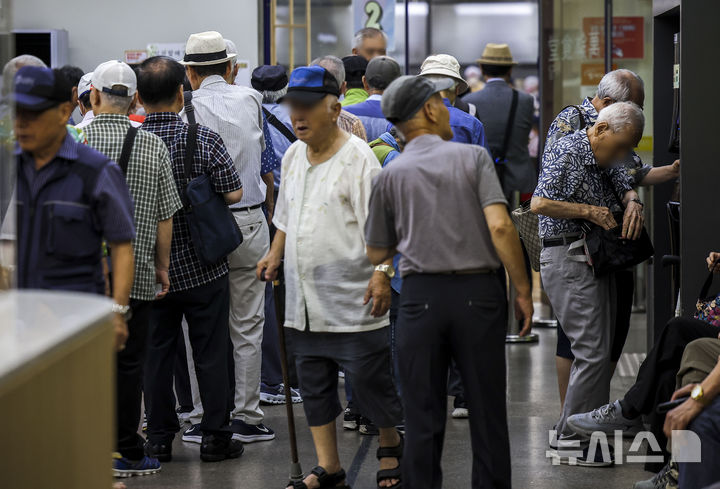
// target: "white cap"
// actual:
[[85, 84], [114, 73]]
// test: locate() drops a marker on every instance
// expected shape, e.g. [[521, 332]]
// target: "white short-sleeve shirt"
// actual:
[[322, 209]]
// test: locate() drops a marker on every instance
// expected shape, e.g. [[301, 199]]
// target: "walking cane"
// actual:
[[296, 473]]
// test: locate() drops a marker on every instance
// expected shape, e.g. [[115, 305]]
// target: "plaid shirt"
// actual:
[[211, 158], [151, 186]]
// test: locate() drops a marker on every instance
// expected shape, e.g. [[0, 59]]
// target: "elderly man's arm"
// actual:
[[661, 174], [269, 180], [267, 267], [379, 255], [570, 210], [162, 256], [123, 277], [507, 244]]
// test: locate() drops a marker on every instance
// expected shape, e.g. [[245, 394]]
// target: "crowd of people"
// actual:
[[378, 204]]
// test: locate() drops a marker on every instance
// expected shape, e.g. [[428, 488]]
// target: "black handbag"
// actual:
[[607, 252], [213, 230]]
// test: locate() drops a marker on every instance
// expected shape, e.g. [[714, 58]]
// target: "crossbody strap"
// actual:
[[277, 124], [127, 147], [189, 109], [190, 149], [508, 128], [706, 286]]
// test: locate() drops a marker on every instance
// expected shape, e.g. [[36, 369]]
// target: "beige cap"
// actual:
[[444, 65]]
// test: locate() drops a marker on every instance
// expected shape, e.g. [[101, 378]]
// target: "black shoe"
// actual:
[[350, 419], [215, 448], [366, 427], [160, 451]]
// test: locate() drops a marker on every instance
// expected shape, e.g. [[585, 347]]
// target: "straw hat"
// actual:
[[206, 48], [444, 65], [497, 54]]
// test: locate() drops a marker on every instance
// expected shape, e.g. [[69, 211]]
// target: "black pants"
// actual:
[[206, 309], [183, 392], [461, 317], [130, 363]]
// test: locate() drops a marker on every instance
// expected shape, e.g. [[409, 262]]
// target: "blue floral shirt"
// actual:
[[568, 121], [570, 174]]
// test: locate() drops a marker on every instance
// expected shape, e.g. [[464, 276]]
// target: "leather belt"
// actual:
[[560, 240], [251, 208], [474, 271]]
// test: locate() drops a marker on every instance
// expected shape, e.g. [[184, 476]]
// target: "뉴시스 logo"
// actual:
[[685, 447]]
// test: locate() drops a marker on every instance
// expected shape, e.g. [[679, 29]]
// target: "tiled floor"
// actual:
[[533, 407]]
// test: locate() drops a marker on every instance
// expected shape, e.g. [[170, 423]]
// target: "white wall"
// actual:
[[100, 30]]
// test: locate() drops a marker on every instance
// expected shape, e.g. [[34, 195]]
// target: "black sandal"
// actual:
[[389, 474], [327, 481]]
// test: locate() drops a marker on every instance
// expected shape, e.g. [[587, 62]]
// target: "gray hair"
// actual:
[[334, 65], [12, 67], [231, 49], [117, 102], [272, 96], [623, 115], [616, 85], [367, 33]]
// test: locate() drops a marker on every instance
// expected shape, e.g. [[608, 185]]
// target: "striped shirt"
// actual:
[[152, 188], [235, 113]]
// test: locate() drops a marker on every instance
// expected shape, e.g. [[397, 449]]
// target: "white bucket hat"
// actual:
[[444, 65], [206, 48]]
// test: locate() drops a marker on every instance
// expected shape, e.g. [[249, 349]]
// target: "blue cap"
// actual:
[[309, 84], [269, 77], [39, 89]]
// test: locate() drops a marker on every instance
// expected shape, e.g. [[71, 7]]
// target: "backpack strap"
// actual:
[[189, 109], [127, 146], [508, 128], [277, 124]]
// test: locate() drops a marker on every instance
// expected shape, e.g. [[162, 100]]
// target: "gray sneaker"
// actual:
[[606, 419], [667, 478]]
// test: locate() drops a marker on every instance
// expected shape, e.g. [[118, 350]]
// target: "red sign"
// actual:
[[628, 37]]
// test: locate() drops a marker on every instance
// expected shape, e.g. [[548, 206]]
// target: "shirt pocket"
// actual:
[[70, 232]]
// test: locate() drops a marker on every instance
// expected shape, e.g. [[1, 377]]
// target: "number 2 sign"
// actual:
[[378, 14]]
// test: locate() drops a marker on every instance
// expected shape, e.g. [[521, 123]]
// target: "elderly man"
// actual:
[[353, 90], [370, 43], [616, 86], [380, 72], [321, 211], [146, 163], [452, 303], [578, 182], [235, 113]]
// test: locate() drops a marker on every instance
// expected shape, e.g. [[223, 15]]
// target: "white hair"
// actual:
[[231, 49], [443, 78], [12, 67], [616, 85], [334, 65], [622, 116], [272, 96], [367, 33]]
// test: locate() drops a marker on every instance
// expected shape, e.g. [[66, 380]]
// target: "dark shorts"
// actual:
[[365, 358]]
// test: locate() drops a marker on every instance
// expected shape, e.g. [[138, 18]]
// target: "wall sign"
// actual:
[[175, 50], [628, 37], [379, 14]]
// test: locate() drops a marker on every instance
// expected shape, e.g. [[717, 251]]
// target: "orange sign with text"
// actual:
[[628, 37]]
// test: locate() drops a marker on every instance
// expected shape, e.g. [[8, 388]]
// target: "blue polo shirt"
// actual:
[[466, 128], [371, 115]]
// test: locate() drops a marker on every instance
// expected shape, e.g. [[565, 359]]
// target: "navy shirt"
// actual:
[[371, 115]]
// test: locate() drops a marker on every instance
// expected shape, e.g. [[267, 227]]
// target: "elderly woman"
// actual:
[[320, 216], [578, 182]]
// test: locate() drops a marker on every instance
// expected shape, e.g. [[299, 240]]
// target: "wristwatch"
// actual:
[[387, 270], [698, 395], [124, 311]]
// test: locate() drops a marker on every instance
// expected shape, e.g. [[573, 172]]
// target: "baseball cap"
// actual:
[[38, 89], [85, 84], [113, 73], [269, 77], [310, 84], [355, 67], [407, 94], [381, 71]]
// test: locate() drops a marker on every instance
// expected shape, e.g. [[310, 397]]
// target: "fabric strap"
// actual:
[[277, 124], [189, 109], [508, 128], [190, 149], [127, 147]]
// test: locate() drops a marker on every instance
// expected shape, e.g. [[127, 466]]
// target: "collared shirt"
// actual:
[[571, 174], [152, 188], [235, 113], [269, 161], [351, 123], [354, 96], [212, 159], [371, 115], [87, 119], [568, 120], [436, 188], [322, 209], [279, 141], [466, 128]]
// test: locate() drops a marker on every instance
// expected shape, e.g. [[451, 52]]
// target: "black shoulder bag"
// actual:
[[189, 109], [501, 156], [607, 252], [213, 229], [127, 147], [277, 124]]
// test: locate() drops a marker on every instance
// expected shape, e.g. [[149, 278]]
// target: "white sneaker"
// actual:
[[460, 413]]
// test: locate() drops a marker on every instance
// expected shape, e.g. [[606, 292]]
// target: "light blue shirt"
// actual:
[[371, 115], [280, 142]]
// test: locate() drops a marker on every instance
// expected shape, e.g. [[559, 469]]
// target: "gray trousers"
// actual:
[[585, 306]]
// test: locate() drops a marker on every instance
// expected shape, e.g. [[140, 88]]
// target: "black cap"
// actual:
[[355, 67], [381, 71], [310, 84], [269, 77], [407, 94]]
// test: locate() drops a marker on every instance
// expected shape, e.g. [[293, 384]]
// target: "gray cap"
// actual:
[[381, 71], [407, 94]]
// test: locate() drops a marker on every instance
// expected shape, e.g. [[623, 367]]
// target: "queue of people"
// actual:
[[383, 202]]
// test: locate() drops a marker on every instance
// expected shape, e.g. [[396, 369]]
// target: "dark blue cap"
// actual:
[[309, 84], [269, 77], [39, 89]]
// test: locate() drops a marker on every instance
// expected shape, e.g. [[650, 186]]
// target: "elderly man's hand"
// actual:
[[713, 262], [633, 221], [379, 291], [676, 168], [269, 265], [680, 417], [602, 217], [121, 332]]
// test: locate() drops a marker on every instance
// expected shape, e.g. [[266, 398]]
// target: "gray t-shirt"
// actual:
[[428, 203]]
